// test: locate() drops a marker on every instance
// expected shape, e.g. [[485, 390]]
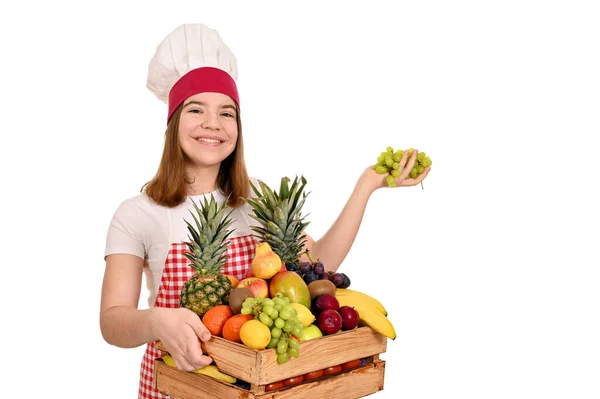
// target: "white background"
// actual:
[[490, 274]]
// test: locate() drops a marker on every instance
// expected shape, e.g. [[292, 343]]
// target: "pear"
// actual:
[[266, 263]]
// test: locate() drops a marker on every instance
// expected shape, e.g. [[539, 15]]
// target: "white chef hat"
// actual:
[[192, 59]]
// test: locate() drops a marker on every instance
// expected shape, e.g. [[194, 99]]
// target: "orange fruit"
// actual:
[[233, 280], [231, 328], [216, 317]]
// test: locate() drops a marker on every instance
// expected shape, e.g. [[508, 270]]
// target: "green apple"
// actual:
[[310, 332]]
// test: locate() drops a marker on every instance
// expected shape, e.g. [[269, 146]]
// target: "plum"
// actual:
[[326, 301], [349, 317], [329, 321]]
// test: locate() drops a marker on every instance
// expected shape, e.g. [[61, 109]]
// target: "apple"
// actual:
[[292, 286], [258, 286], [310, 332]]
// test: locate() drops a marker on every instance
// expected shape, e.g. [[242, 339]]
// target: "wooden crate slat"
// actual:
[[185, 385], [261, 367], [319, 353], [356, 383]]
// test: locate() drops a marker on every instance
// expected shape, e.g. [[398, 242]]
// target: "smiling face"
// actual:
[[208, 129]]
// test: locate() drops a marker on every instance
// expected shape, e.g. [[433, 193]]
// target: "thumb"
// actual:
[[201, 330]]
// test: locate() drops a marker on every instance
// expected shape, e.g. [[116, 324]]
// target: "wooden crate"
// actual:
[[259, 368]]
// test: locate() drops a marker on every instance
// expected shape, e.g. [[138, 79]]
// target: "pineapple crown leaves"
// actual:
[[208, 237], [271, 207]]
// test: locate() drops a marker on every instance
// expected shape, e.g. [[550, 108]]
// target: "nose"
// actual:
[[211, 121]]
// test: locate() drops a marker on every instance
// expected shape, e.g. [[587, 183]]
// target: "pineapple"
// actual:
[[279, 215], [208, 287]]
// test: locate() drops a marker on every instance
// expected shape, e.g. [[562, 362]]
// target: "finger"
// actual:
[[200, 361], [416, 180], [409, 166], [182, 363], [200, 329]]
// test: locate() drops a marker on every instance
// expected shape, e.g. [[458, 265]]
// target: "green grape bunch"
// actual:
[[388, 162], [282, 319]]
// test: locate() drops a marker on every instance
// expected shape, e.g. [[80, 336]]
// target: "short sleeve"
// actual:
[[125, 233]]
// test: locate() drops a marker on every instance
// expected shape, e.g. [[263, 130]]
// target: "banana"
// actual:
[[367, 298], [211, 370], [369, 315]]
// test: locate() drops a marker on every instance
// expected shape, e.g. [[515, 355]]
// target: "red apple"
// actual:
[[258, 286], [349, 317], [292, 286], [329, 321]]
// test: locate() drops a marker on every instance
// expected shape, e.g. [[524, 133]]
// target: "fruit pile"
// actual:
[[388, 162], [281, 302]]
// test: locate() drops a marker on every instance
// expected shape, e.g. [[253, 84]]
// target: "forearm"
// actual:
[[127, 327], [333, 247]]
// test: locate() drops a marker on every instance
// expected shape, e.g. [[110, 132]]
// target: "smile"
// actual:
[[208, 140]]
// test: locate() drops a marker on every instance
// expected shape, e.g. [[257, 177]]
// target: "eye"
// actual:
[[228, 115], [195, 111]]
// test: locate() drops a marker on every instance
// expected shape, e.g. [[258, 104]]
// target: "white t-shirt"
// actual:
[[145, 229]]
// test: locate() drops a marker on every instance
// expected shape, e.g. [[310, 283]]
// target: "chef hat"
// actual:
[[190, 60]]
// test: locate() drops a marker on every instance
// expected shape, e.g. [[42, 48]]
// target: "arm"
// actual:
[[333, 247], [124, 325], [121, 323]]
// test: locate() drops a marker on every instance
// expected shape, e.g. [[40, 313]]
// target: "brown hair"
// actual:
[[170, 184]]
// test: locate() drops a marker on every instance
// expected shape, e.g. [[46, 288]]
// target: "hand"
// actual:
[[180, 331], [406, 164]]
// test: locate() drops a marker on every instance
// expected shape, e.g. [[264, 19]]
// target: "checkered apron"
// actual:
[[175, 273]]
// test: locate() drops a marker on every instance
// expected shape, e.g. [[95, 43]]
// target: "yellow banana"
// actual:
[[367, 298], [211, 370], [369, 315]]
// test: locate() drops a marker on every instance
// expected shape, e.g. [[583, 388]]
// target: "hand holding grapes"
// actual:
[[398, 169]]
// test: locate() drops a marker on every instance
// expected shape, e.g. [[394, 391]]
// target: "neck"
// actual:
[[204, 179]]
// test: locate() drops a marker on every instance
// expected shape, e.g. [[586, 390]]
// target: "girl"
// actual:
[[194, 72]]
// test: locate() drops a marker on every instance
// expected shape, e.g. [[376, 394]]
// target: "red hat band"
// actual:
[[201, 80]]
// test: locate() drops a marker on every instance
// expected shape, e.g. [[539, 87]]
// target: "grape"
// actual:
[[337, 279], [268, 302], [265, 319], [294, 352], [276, 332], [291, 267], [388, 162], [283, 358], [310, 277], [319, 267], [297, 331], [272, 343], [279, 322], [288, 326], [282, 346], [346, 282], [293, 344], [304, 267], [326, 276]]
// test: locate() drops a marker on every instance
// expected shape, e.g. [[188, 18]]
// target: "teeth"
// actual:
[[208, 140]]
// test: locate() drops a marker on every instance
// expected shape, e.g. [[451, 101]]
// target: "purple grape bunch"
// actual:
[[312, 271]]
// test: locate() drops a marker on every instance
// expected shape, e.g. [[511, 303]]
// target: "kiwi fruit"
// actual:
[[320, 287], [237, 296]]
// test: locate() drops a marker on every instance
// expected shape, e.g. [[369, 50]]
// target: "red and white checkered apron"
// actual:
[[175, 273]]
